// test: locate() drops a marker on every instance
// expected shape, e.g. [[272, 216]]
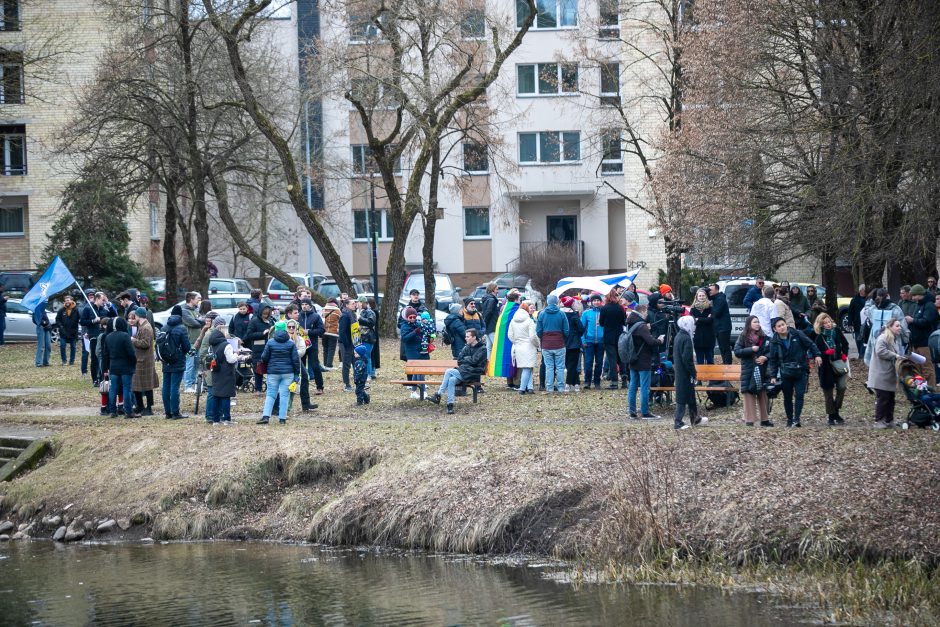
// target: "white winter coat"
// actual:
[[525, 343]]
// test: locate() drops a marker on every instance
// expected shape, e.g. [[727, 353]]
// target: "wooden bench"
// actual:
[[434, 368], [729, 374]]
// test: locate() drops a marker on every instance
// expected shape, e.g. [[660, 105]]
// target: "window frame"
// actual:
[[485, 156], [478, 210], [609, 97], [473, 16], [610, 135], [608, 19], [522, 15], [22, 231], [561, 141], [384, 226], [5, 152], [359, 163], [14, 10], [12, 62], [154, 222], [370, 31], [560, 69]]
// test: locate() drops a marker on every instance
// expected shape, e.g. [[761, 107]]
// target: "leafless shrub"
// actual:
[[548, 262]]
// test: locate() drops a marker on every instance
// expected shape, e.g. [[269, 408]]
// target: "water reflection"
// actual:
[[270, 584]]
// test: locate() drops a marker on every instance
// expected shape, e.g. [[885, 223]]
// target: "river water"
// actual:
[[274, 584]]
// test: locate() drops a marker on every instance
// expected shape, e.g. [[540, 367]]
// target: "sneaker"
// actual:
[[282, 422], [112, 415], [566, 390], [634, 416], [701, 422], [179, 416], [576, 388], [214, 423], [263, 420], [612, 386], [147, 412], [435, 398], [879, 424], [587, 387], [310, 407], [655, 417], [682, 427], [318, 392], [347, 388], [832, 422], [190, 390], [415, 395], [766, 423], [450, 408], [104, 411], [228, 423], [132, 415]]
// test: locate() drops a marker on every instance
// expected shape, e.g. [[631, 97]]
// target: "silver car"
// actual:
[[20, 327]]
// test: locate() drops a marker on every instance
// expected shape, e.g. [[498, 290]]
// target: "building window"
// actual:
[[364, 162], [362, 28], [473, 23], [609, 23], [610, 83], [10, 16], [547, 79], [154, 222], [475, 160], [686, 14], [372, 94], [476, 222], [611, 145], [550, 147], [11, 221], [361, 224], [14, 150], [11, 77], [551, 13]]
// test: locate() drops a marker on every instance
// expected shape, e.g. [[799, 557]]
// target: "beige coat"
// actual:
[[145, 376], [783, 311], [881, 372], [525, 343]]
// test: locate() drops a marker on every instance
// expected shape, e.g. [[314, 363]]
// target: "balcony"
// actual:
[[528, 248]]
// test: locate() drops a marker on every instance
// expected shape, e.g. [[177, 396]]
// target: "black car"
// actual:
[[17, 282]]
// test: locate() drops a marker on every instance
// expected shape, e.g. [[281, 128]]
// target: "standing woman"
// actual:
[[572, 344], [751, 349], [834, 373], [684, 366], [525, 346], [612, 318], [782, 307], [878, 313], [704, 338], [788, 349], [145, 375], [257, 336], [882, 377]]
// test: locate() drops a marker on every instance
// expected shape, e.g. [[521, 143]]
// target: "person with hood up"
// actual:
[[552, 328], [122, 361], [67, 321], [222, 374], [798, 303], [280, 355], [525, 346], [684, 365], [331, 315], [238, 325], [572, 344], [646, 348], [258, 330], [471, 364], [787, 364], [173, 371], [878, 313], [145, 375], [593, 343], [816, 305]]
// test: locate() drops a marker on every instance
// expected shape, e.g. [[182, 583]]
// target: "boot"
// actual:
[[263, 420], [832, 420], [766, 423], [435, 398], [450, 408]]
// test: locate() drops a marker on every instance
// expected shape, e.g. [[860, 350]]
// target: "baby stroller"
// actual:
[[245, 371], [662, 376], [921, 414]]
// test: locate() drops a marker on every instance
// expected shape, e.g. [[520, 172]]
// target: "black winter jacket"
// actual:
[[490, 310], [721, 314], [238, 326], [645, 345], [827, 378], [924, 322], [472, 361], [745, 352], [612, 318], [793, 350], [223, 377], [704, 329], [575, 329], [258, 334], [174, 326], [68, 323], [122, 360]]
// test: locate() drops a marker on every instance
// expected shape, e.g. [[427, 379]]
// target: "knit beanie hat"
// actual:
[[566, 301], [362, 350], [141, 312], [280, 325], [218, 322], [176, 311], [918, 290], [664, 289], [410, 311]]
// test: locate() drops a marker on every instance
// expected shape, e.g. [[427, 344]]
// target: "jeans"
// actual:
[[451, 379], [789, 387], [43, 346], [277, 387], [346, 353], [490, 338], [554, 360], [369, 367], [71, 343], [211, 406], [123, 383], [171, 392], [329, 347], [639, 379], [525, 379], [3, 329], [189, 377], [593, 363], [223, 408]]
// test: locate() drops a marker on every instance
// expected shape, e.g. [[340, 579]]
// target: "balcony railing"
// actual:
[[528, 248]]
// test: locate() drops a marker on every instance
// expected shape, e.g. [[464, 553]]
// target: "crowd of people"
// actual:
[[576, 343]]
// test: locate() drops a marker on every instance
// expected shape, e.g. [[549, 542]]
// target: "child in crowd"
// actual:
[[361, 373]]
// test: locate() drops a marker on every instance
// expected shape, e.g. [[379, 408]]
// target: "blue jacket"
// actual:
[[39, 313], [593, 331], [345, 328], [753, 295], [174, 326], [280, 353], [552, 328], [411, 339]]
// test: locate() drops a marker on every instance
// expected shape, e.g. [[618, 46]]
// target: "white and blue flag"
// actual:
[[56, 278]]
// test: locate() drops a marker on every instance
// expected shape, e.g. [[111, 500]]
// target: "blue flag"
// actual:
[[55, 279]]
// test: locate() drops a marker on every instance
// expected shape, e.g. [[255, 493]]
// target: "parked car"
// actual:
[[522, 283], [17, 283], [226, 305], [229, 286], [330, 289], [445, 293], [501, 291], [279, 293], [20, 327]]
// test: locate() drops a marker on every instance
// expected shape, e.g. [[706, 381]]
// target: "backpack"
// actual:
[[934, 343], [626, 347], [720, 397], [446, 336], [168, 351]]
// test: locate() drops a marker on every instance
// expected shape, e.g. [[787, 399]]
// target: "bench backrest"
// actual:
[[718, 372]]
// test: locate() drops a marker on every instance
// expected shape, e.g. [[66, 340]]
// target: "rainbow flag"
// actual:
[[500, 364]]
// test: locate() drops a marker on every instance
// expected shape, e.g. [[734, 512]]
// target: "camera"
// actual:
[[672, 308]]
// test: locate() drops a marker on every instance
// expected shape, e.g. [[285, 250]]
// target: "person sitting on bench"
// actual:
[[471, 363]]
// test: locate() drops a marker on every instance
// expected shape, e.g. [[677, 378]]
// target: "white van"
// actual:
[[735, 290]]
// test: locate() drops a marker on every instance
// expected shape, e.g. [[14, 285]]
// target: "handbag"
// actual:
[[105, 386], [758, 380], [261, 368], [840, 367]]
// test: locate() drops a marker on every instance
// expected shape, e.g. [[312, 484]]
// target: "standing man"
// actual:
[[932, 286], [489, 307], [174, 353], [754, 294], [855, 319], [312, 324], [722, 321], [552, 329], [646, 347], [593, 343], [346, 344], [43, 335], [921, 325], [765, 310], [67, 321], [89, 317], [193, 324], [907, 304]]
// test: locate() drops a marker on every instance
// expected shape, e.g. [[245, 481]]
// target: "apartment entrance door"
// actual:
[[563, 229]]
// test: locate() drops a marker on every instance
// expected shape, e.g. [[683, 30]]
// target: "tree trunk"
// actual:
[[263, 234], [169, 242], [394, 279], [830, 282], [674, 267], [430, 227]]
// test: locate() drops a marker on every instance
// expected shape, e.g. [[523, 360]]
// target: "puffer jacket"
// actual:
[[472, 361], [280, 354], [411, 335], [593, 331], [331, 315], [575, 329], [174, 326], [122, 360], [525, 343], [745, 352]]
